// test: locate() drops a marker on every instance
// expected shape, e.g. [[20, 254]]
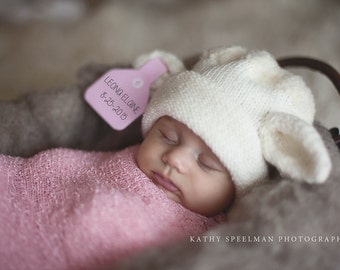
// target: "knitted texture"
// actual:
[[68, 209], [225, 99]]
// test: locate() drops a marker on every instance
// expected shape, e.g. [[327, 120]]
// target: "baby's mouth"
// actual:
[[165, 183]]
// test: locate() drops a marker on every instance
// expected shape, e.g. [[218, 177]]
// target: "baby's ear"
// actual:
[[173, 63], [294, 147]]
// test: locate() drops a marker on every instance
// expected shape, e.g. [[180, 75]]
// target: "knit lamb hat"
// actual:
[[247, 109]]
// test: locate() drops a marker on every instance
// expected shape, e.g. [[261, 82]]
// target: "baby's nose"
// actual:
[[178, 158]]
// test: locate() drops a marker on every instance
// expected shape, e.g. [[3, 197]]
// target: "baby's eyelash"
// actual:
[[205, 166], [208, 163], [167, 138]]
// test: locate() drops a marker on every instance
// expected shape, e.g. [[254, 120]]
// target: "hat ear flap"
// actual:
[[294, 147], [173, 63]]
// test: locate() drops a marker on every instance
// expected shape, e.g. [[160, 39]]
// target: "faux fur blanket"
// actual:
[[68, 209]]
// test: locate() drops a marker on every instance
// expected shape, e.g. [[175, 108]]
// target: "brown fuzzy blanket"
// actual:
[[60, 118], [282, 224]]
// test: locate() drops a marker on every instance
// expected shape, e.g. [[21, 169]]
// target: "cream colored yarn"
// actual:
[[249, 111]]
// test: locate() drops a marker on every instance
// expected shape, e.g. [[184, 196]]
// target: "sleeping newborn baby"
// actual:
[[209, 135]]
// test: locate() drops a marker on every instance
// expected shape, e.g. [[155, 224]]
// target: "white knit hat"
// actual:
[[248, 110]]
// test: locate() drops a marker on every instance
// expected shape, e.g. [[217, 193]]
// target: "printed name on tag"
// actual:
[[120, 96]]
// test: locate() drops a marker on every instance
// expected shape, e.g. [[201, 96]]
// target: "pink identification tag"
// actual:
[[120, 96]]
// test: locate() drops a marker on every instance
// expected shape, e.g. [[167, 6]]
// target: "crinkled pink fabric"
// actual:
[[69, 209]]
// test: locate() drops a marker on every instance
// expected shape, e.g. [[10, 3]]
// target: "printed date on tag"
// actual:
[[120, 96]]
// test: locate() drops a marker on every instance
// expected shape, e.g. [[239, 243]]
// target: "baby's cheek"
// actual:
[[145, 164], [141, 160]]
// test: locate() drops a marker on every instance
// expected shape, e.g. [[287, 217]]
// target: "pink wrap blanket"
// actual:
[[70, 209]]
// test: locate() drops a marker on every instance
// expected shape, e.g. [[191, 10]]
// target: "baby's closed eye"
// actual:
[[169, 137], [208, 163]]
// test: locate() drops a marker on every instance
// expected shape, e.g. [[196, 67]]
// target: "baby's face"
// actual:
[[183, 166]]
